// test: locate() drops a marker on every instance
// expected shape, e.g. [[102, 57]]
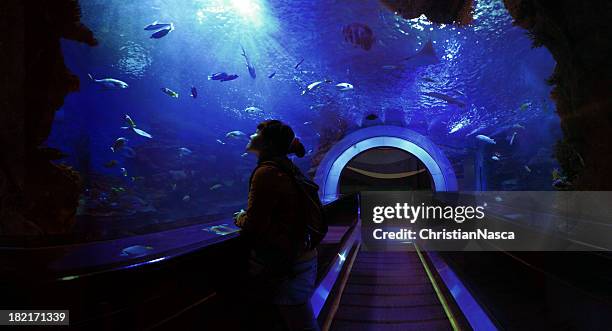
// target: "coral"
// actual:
[[577, 33], [43, 196]]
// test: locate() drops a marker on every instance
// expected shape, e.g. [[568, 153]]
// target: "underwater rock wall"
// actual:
[[578, 34], [438, 11], [37, 197]]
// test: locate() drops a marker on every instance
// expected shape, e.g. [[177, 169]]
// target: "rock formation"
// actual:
[[578, 34], [38, 196], [437, 11]]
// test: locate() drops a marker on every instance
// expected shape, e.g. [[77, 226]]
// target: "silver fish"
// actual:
[[344, 87], [156, 26], [250, 67], [486, 139], [184, 151], [512, 138], [163, 32], [109, 83], [252, 109], [142, 133], [118, 144], [314, 85], [235, 134]]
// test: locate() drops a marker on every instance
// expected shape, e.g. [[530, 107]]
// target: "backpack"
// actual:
[[315, 219]]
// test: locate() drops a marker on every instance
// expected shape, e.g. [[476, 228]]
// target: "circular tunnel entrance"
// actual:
[[384, 169], [348, 148]]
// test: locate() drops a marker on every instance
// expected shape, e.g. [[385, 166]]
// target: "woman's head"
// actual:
[[274, 138]]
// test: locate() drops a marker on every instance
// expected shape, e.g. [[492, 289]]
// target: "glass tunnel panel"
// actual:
[[158, 128]]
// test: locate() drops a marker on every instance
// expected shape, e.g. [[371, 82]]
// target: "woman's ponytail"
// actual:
[[296, 147]]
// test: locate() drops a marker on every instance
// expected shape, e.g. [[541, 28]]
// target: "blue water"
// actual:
[[489, 66]]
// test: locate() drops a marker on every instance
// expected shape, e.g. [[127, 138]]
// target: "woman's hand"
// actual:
[[240, 218]]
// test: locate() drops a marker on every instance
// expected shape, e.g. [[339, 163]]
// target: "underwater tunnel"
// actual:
[[117, 196]]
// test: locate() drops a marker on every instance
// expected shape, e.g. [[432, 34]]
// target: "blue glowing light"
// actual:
[[249, 9]]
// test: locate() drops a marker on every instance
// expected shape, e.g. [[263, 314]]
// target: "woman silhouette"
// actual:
[[282, 272]]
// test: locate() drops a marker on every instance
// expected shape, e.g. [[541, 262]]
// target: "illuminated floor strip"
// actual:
[[322, 291], [336, 303], [447, 310], [470, 308]]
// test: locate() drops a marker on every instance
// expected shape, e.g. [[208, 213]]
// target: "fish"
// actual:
[[456, 127], [314, 85], [130, 122], [109, 83], [163, 32], [244, 154], [136, 178], [344, 87], [252, 109], [486, 139], [250, 67], [156, 26], [527, 168], [446, 98], [169, 92], [272, 74], [235, 134], [217, 76], [124, 172], [524, 106], [298, 64], [512, 138], [184, 151], [371, 117], [307, 122], [118, 144], [117, 189], [111, 163], [229, 77], [518, 126], [132, 125], [391, 67], [222, 76], [220, 142], [173, 187], [186, 198], [428, 79], [142, 133], [136, 250], [499, 199], [194, 92], [424, 57], [215, 187], [495, 158]]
